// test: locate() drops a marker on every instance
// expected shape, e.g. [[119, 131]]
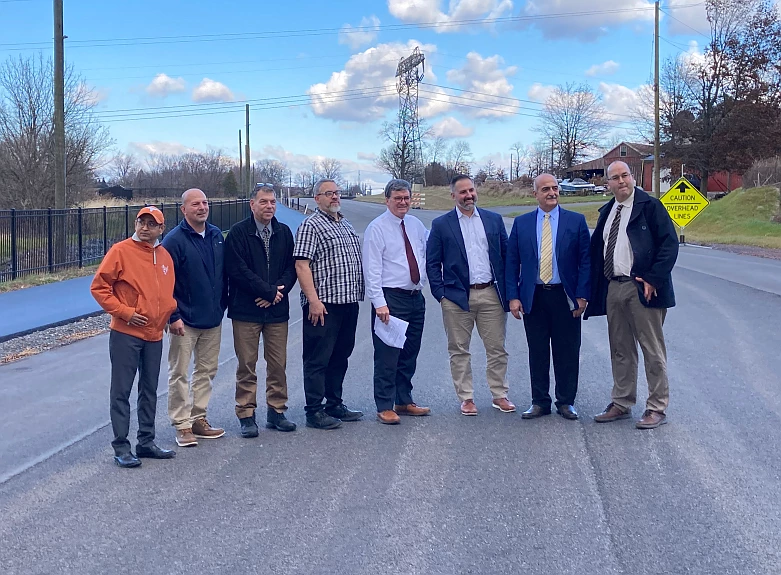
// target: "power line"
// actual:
[[684, 23]]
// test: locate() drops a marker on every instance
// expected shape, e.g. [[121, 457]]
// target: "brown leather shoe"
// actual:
[[411, 409], [388, 417], [651, 420], [612, 413], [504, 405], [185, 438], [468, 407], [202, 429]]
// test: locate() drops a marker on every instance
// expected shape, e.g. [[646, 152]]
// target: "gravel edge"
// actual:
[[40, 341]]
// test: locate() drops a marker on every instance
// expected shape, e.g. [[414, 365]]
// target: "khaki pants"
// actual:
[[187, 403], [485, 311], [629, 322], [246, 339]]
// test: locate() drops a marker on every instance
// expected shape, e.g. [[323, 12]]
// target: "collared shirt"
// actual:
[[554, 228], [385, 257], [622, 257], [476, 244], [260, 227], [333, 249]]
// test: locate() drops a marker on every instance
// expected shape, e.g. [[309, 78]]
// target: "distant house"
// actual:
[[119, 192]]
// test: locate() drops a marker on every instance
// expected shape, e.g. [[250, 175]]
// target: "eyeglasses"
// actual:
[[330, 194], [400, 199], [619, 177], [152, 225], [263, 185]]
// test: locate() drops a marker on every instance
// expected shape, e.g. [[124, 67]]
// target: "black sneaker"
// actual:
[[276, 420], [248, 426], [341, 412], [321, 420]]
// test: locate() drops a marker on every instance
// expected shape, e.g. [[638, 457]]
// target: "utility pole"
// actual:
[[246, 157], [60, 199], [551, 156], [241, 169], [657, 155]]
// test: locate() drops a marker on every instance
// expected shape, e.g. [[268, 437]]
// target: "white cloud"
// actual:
[[430, 11], [693, 55], [163, 85], [158, 147], [540, 93], [619, 100], [451, 128], [362, 35], [585, 20], [365, 90], [368, 157], [489, 92], [212, 91], [686, 15], [604, 69]]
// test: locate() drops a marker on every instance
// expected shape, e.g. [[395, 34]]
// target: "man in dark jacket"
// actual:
[[196, 248], [261, 271], [633, 251]]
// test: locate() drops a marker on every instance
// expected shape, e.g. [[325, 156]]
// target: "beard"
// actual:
[[334, 208]]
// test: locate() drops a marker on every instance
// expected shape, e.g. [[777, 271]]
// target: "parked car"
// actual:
[[576, 186]]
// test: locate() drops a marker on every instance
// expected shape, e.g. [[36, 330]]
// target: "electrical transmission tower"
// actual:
[[409, 148]]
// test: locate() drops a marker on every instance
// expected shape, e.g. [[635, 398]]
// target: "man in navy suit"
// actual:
[[465, 265], [548, 284]]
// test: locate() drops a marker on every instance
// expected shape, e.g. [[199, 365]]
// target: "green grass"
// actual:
[[438, 198], [743, 217], [42, 279]]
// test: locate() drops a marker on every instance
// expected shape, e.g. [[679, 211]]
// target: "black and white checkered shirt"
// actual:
[[334, 251]]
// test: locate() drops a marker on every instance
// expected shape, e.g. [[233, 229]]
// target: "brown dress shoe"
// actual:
[[388, 417], [185, 438], [612, 413], [411, 409], [651, 420], [468, 407], [202, 429], [504, 405]]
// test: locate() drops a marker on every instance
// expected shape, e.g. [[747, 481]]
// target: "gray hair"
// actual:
[[264, 189], [320, 182], [396, 185]]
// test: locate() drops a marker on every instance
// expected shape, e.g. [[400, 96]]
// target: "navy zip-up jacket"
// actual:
[[201, 290]]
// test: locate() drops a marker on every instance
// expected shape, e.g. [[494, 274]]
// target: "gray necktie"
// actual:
[[266, 237]]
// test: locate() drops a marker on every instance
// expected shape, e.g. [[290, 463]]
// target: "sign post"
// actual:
[[684, 202]]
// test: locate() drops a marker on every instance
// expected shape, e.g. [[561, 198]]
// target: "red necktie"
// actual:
[[414, 271]]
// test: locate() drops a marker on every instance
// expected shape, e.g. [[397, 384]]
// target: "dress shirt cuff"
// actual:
[[378, 301]]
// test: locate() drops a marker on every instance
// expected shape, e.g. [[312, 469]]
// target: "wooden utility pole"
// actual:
[[248, 180], [60, 199], [657, 155], [241, 169]]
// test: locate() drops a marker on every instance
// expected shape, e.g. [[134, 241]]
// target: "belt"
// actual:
[[620, 279], [549, 286], [409, 292], [481, 286]]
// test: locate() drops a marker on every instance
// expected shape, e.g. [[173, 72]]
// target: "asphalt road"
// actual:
[[444, 494]]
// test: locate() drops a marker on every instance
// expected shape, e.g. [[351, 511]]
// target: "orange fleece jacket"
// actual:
[[135, 277]]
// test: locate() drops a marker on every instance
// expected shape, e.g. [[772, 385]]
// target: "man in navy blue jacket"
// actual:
[[548, 283], [196, 247], [465, 265]]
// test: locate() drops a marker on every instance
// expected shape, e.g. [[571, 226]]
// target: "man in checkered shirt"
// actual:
[[328, 264]]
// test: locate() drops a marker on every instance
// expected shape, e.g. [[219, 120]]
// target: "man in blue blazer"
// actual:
[[548, 284], [465, 267]]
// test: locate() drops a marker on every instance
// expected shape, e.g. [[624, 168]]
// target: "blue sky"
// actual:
[[143, 57]]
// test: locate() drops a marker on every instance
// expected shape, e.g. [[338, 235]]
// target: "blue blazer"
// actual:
[[572, 257], [446, 262]]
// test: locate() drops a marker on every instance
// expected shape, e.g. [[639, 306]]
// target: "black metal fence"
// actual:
[[37, 241]]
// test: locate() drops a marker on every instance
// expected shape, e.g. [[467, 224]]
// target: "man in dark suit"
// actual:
[[465, 264], [633, 251], [548, 284]]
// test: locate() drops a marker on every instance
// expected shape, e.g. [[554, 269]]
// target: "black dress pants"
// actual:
[[550, 325], [326, 349], [394, 367], [130, 355]]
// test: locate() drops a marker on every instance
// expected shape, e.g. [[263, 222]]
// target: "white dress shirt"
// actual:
[[385, 257], [622, 257], [476, 244]]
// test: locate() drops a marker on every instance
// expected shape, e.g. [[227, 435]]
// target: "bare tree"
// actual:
[[520, 157], [331, 168], [123, 169], [459, 158], [574, 119], [26, 133], [272, 172], [489, 169]]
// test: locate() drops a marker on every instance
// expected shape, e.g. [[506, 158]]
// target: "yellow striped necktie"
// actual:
[[546, 252]]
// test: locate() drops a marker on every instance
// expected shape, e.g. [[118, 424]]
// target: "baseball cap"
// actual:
[[152, 211]]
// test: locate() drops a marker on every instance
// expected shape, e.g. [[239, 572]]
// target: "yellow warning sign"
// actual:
[[684, 202]]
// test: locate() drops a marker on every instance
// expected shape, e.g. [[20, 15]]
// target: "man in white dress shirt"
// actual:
[[394, 268]]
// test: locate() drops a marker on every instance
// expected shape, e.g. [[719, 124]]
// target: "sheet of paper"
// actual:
[[393, 333]]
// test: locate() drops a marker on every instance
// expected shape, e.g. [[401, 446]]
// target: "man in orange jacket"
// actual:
[[135, 285]]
